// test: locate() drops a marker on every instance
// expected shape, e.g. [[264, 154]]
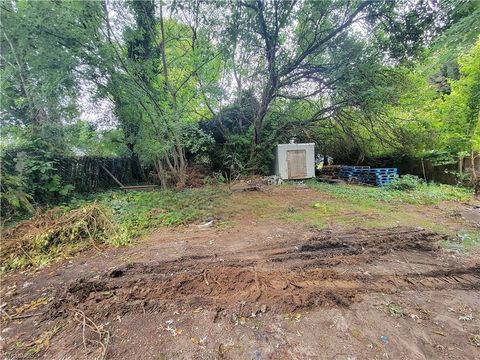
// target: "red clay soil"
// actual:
[[265, 291]]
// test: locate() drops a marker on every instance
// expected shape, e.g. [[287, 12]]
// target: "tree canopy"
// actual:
[[220, 82]]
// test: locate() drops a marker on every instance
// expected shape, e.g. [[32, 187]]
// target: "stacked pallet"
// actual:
[[378, 177], [330, 171], [346, 172], [367, 175]]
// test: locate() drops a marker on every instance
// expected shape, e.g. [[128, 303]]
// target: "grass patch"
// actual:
[[311, 217], [113, 218], [423, 194], [140, 211], [351, 206], [331, 212], [256, 204], [465, 240]]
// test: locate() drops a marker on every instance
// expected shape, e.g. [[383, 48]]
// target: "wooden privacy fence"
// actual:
[[87, 175]]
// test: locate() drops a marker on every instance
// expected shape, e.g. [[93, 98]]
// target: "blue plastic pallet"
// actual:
[[346, 172], [367, 175]]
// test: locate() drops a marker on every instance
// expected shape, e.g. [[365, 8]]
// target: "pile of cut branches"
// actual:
[[55, 233]]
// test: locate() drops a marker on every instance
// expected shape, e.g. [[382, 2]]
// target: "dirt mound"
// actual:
[[373, 242], [227, 285], [241, 290], [330, 248], [245, 287]]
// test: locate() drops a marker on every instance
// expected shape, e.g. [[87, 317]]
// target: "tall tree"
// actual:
[[40, 53], [304, 49]]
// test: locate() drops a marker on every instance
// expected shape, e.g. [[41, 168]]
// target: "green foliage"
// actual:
[[458, 114], [442, 123], [38, 172], [30, 175], [426, 194], [195, 140], [427, 109], [405, 182], [459, 36], [214, 179], [231, 132], [228, 81], [14, 198], [465, 240], [84, 139], [139, 211], [41, 49]]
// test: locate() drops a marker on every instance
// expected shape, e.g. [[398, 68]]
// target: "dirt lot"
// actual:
[[258, 286]]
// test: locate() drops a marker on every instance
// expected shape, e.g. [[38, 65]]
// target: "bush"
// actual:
[[405, 182], [13, 197], [31, 176]]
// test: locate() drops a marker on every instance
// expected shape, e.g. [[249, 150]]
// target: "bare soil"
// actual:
[[259, 289]]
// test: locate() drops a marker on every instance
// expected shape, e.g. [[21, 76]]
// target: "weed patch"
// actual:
[[465, 240], [138, 212], [423, 194], [113, 218]]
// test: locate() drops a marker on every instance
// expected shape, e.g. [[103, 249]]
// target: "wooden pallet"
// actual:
[[330, 170], [139, 188]]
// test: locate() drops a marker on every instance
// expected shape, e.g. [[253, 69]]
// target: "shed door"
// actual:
[[297, 164]]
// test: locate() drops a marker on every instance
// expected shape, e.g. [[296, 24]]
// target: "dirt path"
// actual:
[[260, 288]]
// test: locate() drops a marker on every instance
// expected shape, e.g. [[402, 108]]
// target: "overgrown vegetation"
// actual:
[[215, 85], [405, 182], [139, 211], [58, 232], [220, 83], [114, 218]]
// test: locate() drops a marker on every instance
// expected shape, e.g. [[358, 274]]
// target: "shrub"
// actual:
[[405, 182], [31, 176], [13, 197]]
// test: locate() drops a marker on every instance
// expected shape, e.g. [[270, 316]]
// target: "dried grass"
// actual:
[[49, 234]]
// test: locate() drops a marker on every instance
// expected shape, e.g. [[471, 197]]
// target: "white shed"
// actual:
[[295, 161]]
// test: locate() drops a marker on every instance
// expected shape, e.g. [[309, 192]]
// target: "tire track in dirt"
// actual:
[[227, 285], [289, 279]]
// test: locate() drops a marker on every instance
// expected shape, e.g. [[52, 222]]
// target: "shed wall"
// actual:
[[281, 165]]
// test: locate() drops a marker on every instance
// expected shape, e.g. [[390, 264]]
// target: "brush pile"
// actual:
[[55, 233]]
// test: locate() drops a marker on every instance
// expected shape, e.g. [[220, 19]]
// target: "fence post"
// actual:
[[423, 170]]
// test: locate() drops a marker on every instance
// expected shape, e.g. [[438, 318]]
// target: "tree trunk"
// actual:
[[179, 162], [256, 138], [474, 176], [161, 173], [257, 128]]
